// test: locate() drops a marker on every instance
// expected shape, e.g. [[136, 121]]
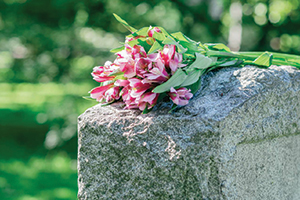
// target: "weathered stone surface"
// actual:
[[239, 138]]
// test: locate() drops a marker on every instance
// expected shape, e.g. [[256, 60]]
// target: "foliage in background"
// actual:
[[60, 41], [48, 49]]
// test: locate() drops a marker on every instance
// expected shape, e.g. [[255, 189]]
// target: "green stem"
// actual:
[[275, 55], [278, 58]]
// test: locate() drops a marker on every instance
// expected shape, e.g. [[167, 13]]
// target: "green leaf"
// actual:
[[264, 59], [161, 97], [124, 23], [116, 72], [192, 77], [133, 42], [231, 63], [201, 62], [218, 46], [88, 98], [177, 79], [181, 37], [143, 42], [119, 76], [141, 32], [156, 46], [140, 41], [170, 40], [174, 106], [191, 47], [106, 104], [164, 31], [118, 49], [159, 36], [196, 86], [146, 110], [294, 61]]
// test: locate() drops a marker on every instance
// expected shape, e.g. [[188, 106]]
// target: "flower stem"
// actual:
[[278, 58]]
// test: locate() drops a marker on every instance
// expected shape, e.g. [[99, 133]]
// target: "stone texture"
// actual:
[[239, 138]]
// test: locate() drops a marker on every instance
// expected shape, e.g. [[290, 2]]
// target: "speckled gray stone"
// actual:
[[239, 138]]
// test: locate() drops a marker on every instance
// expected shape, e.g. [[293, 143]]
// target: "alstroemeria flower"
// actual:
[[175, 63], [180, 96], [138, 87], [147, 100], [136, 51], [158, 73], [129, 101], [98, 93], [101, 73], [142, 66], [128, 39], [171, 58], [167, 53], [126, 64], [121, 82], [152, 30], [112, 94]]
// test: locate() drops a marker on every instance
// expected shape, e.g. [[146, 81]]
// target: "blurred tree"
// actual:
[[60, 41], [49, 47]]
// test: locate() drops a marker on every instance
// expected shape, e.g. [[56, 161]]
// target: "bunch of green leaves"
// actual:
[[200, 58]]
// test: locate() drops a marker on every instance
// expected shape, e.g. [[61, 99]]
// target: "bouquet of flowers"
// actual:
[[153, 65]]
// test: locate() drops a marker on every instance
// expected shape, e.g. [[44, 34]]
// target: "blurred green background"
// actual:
[[49, 47]]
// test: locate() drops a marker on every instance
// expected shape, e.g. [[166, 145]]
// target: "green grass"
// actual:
[[29, 171], [52, 177]]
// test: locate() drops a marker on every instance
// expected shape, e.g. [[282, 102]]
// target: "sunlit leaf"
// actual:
[[158, 36], [141, 32], [118, 49], [164, 31], [124, 23], [181, 37], [116, 72], [88, 98], [142, 42], [218, 46], [264, 59], [156, 46]]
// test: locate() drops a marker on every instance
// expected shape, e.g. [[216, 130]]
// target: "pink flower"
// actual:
[[98, 93], [138, 87], [136, 51], [112, 94], [158, 73], [106, 94], [147, 100], [180, 96], [152, 30], [128, 39], [129, 101], [167, 53], [142, 66], [101, 73], [171, 58], [128, 58], [175, 62], [121, 82], [126, 64]]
